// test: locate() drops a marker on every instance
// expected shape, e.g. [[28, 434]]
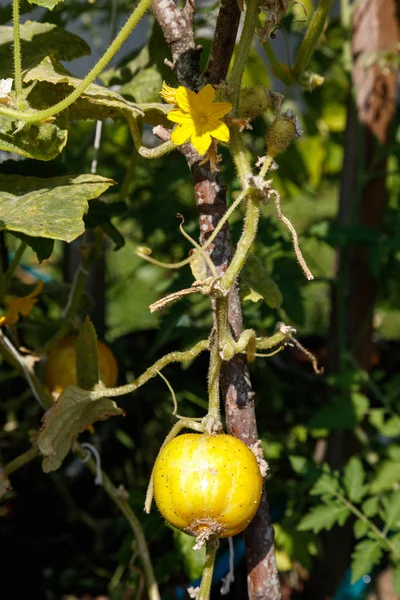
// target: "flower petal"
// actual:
[[168, 93], [219, 109], [205, 97], [185, 99], [220, 133], [177, 116], [201, 143], [181, 134]]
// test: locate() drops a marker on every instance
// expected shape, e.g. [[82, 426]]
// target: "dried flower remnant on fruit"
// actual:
[[197, 116]]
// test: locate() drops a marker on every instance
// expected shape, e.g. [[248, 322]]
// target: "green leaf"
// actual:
[[391, 509], [324, 517], [370, 507], [365, 556], [389, 428], [51, 208], [43, 247], [145, 87], [353, 478], [388, 474], [39, 40], [97, 102], [326, 484], [340, 413], [360, 528], [193, 560], [87, 358], [255, 275], [43, 141], [71, 414], [50, 4]]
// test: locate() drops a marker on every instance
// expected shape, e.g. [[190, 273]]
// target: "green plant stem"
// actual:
[[120, 498], [240, 158], [32, 116], [246, 240], [15, 262], [379, 534], [15, 359], [206, 579], [279, 72], [214, 370], [266, 343], [311, 38], [153, 371], [17, 55], [156, 152], [242, 50], [21, 460]]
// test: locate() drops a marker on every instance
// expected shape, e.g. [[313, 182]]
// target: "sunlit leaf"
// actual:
[[97, 102], [43, 141], [360, 528], [50, 208], [353, 478], [39, 40], [324, 517], [50, 4], [365, 556], [388, 473]]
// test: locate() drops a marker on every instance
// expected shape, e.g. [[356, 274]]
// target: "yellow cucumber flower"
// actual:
[[198, 117], [20, 306]]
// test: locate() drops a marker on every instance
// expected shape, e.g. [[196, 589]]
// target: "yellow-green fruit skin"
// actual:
[[207, 483]]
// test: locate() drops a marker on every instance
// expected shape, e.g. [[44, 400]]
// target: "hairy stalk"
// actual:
[[156, 152], [242, 50], [206, 244], [120, 497], [214, 370], [21, 460], [17, 55], [153, 371], [311, 38], [15, 262], [206, 579], [40, 115], [246, 240]]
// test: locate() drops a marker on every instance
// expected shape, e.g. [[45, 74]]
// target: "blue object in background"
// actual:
[[355, 591]]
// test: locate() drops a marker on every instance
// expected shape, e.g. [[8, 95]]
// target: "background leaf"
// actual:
[[366, 555], [324, 517], [353, 478], [71, 414]]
